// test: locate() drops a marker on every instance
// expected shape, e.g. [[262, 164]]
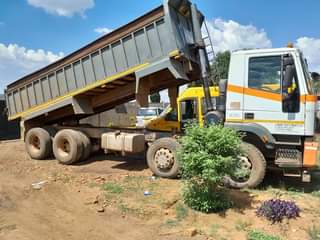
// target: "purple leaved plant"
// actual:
[[276, 210]]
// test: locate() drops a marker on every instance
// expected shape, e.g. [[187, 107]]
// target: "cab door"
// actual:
[[188, 111], [263, 96]]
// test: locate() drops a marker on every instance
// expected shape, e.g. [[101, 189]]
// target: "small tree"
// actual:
[[316, 82], [220, 67], [206, 156]]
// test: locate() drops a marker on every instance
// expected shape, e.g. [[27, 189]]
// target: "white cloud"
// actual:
[[311, 49], [230, 35], [103, 30], [17, 61], [66, 8]]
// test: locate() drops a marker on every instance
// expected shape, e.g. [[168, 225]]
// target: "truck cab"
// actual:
[[269, 97], [257, 92]]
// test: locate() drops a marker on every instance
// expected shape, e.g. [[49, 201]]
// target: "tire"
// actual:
[[165, 149], [86, 143], [258, 168], [67, 146], [38, 143]]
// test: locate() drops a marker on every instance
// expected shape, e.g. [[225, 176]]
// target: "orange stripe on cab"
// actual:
[[267, 95], [308, 98]]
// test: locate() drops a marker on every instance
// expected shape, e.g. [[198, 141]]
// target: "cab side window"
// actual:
[[189, 110], [265, 73]]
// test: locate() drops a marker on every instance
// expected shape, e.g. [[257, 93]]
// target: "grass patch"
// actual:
[[181, 211], [316, 194], [258, 235], [125, 209], [170, 223], [111, 187], [213, 230], [242, 225], [139, 184], [134, 183], [314, 233]]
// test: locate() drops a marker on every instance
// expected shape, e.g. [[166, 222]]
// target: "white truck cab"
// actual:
[[270, 97], [256, 92]]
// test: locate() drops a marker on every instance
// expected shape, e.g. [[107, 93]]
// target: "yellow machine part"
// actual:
[[163, 124]]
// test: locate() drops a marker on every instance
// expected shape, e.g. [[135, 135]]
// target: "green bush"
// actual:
[[203, 198], [206, 156]]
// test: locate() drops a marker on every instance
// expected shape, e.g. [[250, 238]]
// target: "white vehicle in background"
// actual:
[[144, 115]]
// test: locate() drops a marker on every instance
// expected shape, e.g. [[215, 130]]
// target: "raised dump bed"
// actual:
[[154, 52]]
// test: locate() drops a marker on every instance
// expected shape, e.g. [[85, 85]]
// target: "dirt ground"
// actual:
[[103, 198]]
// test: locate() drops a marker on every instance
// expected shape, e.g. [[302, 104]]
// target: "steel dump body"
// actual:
[[149, 51]]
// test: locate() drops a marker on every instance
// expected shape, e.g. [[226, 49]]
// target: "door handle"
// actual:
[[249, 116]]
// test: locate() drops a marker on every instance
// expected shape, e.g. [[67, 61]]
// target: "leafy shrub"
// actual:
[[203, 198], [206, 156], [276, 210], [258, 235]]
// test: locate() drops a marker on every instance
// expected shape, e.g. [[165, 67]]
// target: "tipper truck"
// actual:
[[268, 98]]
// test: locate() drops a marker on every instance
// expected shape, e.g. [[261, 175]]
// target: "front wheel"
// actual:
[[162, 158], [252, 168]]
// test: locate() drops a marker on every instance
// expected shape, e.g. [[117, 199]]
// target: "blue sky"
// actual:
[[56, 27]]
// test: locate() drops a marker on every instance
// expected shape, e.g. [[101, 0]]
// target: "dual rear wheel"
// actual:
[[68, 146]]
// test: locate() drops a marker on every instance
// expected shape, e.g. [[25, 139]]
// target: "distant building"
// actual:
[[8, 130]]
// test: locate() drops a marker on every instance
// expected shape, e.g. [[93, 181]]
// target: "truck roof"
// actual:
[[264, 50]]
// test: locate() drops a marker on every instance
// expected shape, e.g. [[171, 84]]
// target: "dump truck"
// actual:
[[268, 97]]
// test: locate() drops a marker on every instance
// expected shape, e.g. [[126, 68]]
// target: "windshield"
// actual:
[[146, 112], [307, 75]]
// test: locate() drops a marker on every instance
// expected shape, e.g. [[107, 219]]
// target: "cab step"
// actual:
[[288, 158]]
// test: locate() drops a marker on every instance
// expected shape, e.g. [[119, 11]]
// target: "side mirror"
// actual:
[[289, 93], [289, 73]]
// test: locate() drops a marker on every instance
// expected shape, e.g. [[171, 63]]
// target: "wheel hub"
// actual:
[[245, 163], [164, 158], [244, 170], [35, 141], [66, 147]]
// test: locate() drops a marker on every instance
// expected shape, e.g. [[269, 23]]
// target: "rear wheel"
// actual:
[[162, 158], [68, 146], [86, 143], [252, 168], [38, 143]]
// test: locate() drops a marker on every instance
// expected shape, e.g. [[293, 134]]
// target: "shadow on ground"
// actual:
[[128, 162], [275, 179]]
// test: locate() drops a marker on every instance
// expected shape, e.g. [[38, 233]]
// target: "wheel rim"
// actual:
[[243, 173], [164, 159], [64, 147], [35, 142]]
